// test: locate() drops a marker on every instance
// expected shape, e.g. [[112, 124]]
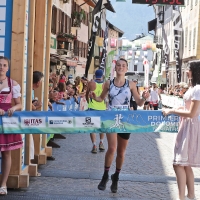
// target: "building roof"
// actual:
[[115, 28]]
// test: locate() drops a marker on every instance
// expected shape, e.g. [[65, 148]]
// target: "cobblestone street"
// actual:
[[147, 172]]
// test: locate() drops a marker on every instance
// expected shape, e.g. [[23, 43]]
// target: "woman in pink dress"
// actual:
[[9, 89], [187, 146]]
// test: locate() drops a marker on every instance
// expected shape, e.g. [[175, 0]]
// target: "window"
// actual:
[[53, 20], [194, 38], [190, 37], [62, 27], [186, 36], [135, 68], [76, 48], [68, 28]]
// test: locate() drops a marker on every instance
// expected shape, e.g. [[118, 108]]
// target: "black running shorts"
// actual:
[[125, 136]]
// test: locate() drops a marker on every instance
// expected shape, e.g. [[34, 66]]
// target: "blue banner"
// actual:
[[27, 122]]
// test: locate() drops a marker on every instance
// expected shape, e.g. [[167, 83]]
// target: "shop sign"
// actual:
[[113, 42], [53, 43]]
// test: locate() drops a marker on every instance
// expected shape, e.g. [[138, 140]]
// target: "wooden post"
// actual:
[[47, 66], [17, 73], [33, 169], [39, 65]]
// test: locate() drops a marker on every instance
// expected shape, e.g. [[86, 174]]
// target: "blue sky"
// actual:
[[131, 18]]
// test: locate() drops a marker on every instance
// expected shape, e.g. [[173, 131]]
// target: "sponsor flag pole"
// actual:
[[146, 72], [178, 40], [104, 52], [96, 16]]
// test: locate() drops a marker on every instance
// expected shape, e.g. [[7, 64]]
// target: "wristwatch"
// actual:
[[143, 98]]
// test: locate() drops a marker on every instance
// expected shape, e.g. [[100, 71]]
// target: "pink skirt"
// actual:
[[10, 142]]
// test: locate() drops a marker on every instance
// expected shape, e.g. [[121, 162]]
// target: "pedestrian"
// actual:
[[120, 90], [155, 96], [96, 86], [187, 146], [147, 102], [36, 105], [37, 80], [133, 104], [10, 89]]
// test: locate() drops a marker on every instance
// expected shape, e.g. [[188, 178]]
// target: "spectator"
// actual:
[[96, 87], [155, 95], [133, 104], [37, 80], [10, 89]]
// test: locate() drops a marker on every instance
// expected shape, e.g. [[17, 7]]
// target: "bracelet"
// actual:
[[143, 98]]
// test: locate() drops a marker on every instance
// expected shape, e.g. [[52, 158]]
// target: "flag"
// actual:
[[178, 40], [104, 52], [96, 17], [146, 72], [166, 56]]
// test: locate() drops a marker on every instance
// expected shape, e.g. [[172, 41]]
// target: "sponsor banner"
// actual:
[[43, 122], [64, 122], [10, 122], [94, 122], [29, 122]]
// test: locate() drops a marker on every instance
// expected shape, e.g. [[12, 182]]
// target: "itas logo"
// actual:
[[32, 122]]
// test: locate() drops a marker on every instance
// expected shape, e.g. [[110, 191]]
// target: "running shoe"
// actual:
[[101, 147], [102, 184], [114, 185], [94, 149]]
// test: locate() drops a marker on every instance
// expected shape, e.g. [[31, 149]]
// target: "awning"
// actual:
[[152, 24], [64, 59], [90, 3]]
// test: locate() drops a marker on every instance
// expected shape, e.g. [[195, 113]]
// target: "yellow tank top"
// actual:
[[80, 87], [94, 104]]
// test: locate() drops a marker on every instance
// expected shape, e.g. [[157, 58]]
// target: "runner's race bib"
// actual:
[[120, 108]]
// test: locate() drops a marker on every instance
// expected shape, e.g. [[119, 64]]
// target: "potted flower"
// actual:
[[78, 17], [65, 37]]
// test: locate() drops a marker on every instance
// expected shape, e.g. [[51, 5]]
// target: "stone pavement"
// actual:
[[147, 173]]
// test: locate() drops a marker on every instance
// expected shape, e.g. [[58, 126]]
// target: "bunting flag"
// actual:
[[104, 52], [96, 17], [178, 40]]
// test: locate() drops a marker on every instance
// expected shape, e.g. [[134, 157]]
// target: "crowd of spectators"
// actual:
[[65, 88], [178, 90]]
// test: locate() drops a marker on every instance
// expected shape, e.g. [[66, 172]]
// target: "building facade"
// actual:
[[185, 19]]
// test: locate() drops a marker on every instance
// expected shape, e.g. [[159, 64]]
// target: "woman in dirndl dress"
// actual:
[[9, 89], [187, 146]]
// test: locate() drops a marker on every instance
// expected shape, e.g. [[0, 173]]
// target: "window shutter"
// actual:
[[186, 36], [194, 38], [190, 35]]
